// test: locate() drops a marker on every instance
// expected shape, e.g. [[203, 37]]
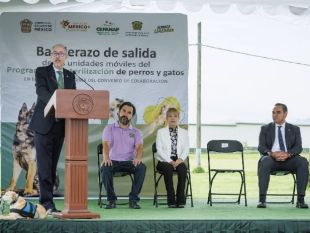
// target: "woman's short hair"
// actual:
[[172, 110]]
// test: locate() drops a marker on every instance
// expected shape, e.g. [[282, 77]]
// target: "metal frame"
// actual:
[[102, 195], [284, 173], [158, 175], [219, 147]]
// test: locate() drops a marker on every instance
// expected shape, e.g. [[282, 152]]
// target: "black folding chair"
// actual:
[[220, 148], [292, 195], [158, 175], [102, 195]]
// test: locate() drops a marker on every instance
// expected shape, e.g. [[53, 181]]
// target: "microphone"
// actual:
[[82, 80]]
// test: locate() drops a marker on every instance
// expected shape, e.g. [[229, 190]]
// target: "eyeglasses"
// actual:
[[60, 54]]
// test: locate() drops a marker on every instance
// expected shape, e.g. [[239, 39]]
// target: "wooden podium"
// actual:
[[77, 106]]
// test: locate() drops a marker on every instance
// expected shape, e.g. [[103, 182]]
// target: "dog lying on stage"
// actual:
[[24, 154], [20, 208]]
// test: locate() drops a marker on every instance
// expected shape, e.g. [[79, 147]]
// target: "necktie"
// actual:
[[280, 137], [60, 80]]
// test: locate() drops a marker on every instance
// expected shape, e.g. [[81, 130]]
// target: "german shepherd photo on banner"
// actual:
[[24, 154]]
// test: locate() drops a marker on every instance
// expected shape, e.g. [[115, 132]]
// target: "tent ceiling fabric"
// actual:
[[297, 7]]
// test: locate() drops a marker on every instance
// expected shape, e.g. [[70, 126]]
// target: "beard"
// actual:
[[124, 120]]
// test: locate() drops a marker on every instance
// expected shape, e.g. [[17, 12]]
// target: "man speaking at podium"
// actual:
[[49, 131]]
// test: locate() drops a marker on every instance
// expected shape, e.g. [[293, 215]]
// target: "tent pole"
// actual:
[[198, 120]]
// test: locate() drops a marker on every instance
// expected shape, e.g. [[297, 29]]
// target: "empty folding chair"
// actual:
[[218, 149]]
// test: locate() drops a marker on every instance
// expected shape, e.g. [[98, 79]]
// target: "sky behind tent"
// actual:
[[249, 63]]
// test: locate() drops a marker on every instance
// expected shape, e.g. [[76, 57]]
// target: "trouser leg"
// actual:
[[265, 166], [139, 175], [182, 174], [107, 179], [167, 170], [300, 166], [48, 148]]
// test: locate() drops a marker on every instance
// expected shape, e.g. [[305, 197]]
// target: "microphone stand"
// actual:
[[82, 80]]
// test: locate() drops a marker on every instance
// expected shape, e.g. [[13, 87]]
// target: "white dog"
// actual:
[[20, 208]]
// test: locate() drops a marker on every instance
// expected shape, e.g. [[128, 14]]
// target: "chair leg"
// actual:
[[155, 199], [245, 195], [241, 186], [208, 197], [294, 188], [189, 185], [191, 192], [155, 202], [99, 199], [100, 196], [99, 182], [210, 189]]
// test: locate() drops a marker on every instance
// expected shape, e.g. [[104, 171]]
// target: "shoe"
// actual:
[[134, 205], [172, 206], [180, 206], [52, 211], [302, 205], [56, 211], [261, 205], [110, 205]]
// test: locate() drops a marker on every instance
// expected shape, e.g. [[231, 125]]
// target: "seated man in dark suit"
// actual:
[[280, 147]]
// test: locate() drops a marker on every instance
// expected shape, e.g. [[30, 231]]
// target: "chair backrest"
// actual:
[[99, 156], [224, 146], [99, 149], [218, 147], [99, 152], [154, 151]]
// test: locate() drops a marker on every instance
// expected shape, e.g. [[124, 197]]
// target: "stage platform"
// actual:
[[220, 218]]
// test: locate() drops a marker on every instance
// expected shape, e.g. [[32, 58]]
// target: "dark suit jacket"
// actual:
[[292, 139], [46, 84]]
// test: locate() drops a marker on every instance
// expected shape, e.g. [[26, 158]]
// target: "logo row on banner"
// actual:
[[134, 28]]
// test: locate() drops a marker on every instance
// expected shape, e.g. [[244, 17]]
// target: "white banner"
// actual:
[[142, 58]]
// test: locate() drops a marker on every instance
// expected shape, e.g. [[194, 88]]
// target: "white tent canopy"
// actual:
[[219, 6]]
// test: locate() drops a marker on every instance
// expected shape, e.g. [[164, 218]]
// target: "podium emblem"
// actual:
[[83, 104]]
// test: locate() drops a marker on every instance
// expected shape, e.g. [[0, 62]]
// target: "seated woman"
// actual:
[[172, 145]]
